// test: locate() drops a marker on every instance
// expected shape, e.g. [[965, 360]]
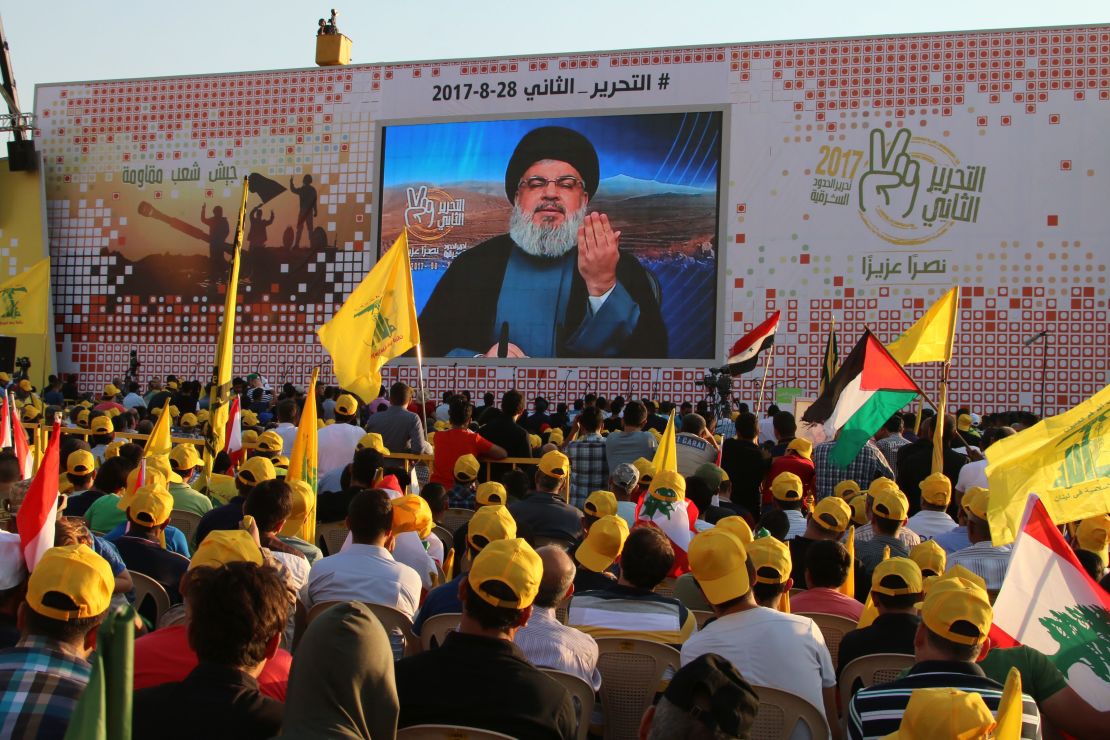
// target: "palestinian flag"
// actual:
[[744, 355], [863, 394], [1049, 603]]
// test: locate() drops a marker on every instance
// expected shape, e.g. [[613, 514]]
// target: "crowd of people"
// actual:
[[539, 530]]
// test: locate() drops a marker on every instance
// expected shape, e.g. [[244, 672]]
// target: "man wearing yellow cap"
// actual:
[[956, 618], [103, 432], [253, 471], [797, 459], [828, 520], [461, 494], [337, 442], [982, 557], [598, 552], [933, 519], [184, 460], [889, 511], [896, 588], [109, 399], [490, 683], [788, 491], [141, 548], [42, 677], [778, 650], [544, 513]]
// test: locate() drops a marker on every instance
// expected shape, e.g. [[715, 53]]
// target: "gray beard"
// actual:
[[539, 240]]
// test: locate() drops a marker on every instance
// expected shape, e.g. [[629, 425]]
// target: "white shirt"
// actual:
[[288, 433], [972, 474], [691, 451], [547, 643], [986, 561], [767, 430], [410, 551], [780, 651], [337, 443], [133, 400], [797, 523], [928, 524], [364, 573]]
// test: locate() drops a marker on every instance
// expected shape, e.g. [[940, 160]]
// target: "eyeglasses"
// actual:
[[566, 182]]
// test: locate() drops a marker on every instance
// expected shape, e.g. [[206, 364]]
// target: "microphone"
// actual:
[[1039, 335], [503, 341]]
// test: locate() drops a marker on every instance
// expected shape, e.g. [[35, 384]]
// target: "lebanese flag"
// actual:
[[39, 511], [5, 423], [234, 433], [744, 355], [862, 396], [22, 450], [1049, 603], [676, 520]]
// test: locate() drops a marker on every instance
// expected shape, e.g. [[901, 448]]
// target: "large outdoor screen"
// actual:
[[585, 237]]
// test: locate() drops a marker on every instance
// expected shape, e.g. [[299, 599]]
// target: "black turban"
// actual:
[[553, 142]]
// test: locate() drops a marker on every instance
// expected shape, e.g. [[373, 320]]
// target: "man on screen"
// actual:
[[557, 285]]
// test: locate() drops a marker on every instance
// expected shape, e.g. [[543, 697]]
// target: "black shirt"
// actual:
[[79, 504], [746, 464], [333, 506], [543, 515], [507, 434], [915, 463], [889, 633], [588, 580], [151, 559], [213, 702], [227, 516], [486, 683]]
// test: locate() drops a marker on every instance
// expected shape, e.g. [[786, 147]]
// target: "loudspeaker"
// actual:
[[7, 354], [21, 156]]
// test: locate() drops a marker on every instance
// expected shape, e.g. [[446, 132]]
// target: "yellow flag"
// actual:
[[159, 442], [219, 398], [666, 456], [302, 458], [848, 588], [1008, 720], [870, 612], [25, 301], [937, 463], [1064, 459], [375, 324], [930, 339]]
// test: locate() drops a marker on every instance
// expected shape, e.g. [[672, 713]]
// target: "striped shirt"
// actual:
[[39, 689], [547, 643], [985, 560], [906, 536], [877, 711], [632, 613], [868, 465]]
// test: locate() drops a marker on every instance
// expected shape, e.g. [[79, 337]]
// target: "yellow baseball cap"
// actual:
[[161, 465], [5, 378], [534, 441], [270, 441], [936, 489], [80, 462], [511, 562], [603, 543], [963, 422], [281, 462], [112, 448], [957, 610], [171, 385], [832, 513], [646, 469], [929, 556], [771, 560], [77, 572], [188, 420], [223, 546], [897, 577], [102, 425], [802, 446], [184, 457], [249, 418], [718, 560], [1092, 534], [738, 527], [555, 436], [175, 412], [959, 571], [600, 503], [346, 405], [113, 412], [466, 468], [25, 385], [249, 436], [881, 484], [83, 418], [203, 416], [441, 426], [150, 506], [489, 524], [411, 513], [945, 713], [302, 498], [111, 391], [555, 464], [859, 510], [491, 492], [667, 486], [30, 412], [373, 441], [889, 504], [787, 487], [256, 470], [975, 502]]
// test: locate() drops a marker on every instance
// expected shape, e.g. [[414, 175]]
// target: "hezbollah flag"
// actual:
[[1064, 459], [831, 362], [302, 458], [25, 300], [1049, 603], [867, 389], [220, 396], [930, 339], [375, 324], [666, 454]]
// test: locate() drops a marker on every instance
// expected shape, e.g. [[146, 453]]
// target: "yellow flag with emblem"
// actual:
[[375, 324], [25, 300], [160, 442], [930, 338], [303, 456], [666, 454], [1064, 459]]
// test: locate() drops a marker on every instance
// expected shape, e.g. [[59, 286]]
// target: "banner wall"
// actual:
[[860, 179]]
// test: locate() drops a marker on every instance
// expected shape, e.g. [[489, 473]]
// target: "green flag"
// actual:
[[104, 711]]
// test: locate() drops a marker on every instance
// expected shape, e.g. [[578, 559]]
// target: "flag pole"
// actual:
[[420, 379], [763, 384]]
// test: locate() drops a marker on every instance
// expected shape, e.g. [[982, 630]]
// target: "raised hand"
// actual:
[[891, 180], [598, 253]]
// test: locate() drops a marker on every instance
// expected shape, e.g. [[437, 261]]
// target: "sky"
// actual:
[[71, 40]]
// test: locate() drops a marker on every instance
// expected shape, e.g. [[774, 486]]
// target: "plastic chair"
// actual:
[[583, 695], [833, 628], [455, 518], [331, 536], [447, 732], [435, 629], [702, 617], [146, 587], [318, 609], [780, 711], [630, 674], [445, 537], [187, 522], [173, 616], [394, 622], [869, 670], [666, 588]]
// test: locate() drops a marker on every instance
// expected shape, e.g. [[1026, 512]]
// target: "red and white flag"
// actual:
[[37, 514], [234, 433], [23, 452], [5, 423], [1049, 603], [744, 355]]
